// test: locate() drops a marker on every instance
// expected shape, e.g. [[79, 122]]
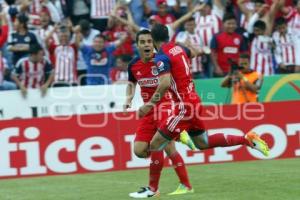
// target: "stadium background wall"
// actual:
[[103, 142]]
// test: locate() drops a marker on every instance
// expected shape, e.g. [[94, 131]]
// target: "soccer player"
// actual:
[[174, 76], [142, 71]]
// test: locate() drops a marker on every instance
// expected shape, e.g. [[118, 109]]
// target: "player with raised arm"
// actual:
[[142, 71], [174, 76]]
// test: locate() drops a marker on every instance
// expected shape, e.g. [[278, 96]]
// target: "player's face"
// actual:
[[230, 26], [190, 26], [282, 29], [98, 43], [145, 46]]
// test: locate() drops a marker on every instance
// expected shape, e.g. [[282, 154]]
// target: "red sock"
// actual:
[[221, 140], [180, 169], [156, 165]]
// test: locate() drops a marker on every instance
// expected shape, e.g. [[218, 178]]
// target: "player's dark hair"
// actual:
[[35, 48], [260, 25], [84, 25], [160, 33], [259, 1], [280, 21], [244, 56], [228, 16], [142, 32]]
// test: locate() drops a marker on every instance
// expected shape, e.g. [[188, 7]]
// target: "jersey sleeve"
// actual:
[[162, 62], [131, 77]]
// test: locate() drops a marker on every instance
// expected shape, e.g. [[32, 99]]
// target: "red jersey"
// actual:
[[173, 59], [227, 46], [146, 75]]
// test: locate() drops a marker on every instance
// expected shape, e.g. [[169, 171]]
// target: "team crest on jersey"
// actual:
[[236, 41], [154, 70], [27, 39], [160, 66]]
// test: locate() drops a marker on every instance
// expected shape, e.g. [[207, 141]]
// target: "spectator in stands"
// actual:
[[162, 12], [261, 50], [4, 72], [226, 46], [4, 29], [119, 74], [34, 9], [246, 82], [64, 55], [116, 28], [285, 53], [292, 15], [20, 40], [34, 71], [100, 11], [192, 40], [88, 34], [208, 23], [98, 58]]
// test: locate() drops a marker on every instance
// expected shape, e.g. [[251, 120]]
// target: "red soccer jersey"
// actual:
[[228, 46], [173, 59], [146, 75]]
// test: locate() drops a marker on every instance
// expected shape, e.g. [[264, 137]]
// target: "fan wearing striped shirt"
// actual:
[[34, 71], [64, 55]]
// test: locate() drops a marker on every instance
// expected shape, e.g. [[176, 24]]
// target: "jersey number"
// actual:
[[187, 67]]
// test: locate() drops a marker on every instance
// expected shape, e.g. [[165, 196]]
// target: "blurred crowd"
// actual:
[[54, 43]]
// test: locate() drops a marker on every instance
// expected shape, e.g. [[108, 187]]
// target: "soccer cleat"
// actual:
[[144, 192], [186, 139], [257, 143], [182, 189]]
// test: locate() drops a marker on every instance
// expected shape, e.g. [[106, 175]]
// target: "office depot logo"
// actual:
[[40, 161]]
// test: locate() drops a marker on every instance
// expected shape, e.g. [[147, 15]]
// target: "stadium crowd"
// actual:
[[90, 42]]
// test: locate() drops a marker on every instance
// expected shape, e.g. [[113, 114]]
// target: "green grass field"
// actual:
[[257, 180]]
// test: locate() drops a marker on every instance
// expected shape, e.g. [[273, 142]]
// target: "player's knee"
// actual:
[[154, 146], [141, 153], [170, 149]]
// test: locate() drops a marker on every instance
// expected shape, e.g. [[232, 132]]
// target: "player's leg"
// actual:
[[180, 169], [204, 141]]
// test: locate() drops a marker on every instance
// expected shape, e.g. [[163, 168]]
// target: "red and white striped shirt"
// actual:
[[197, 43], [101, 8], [32, 75], [64, 59], [207, 26], [285, 48], [294, 21], [261, 55], [44, 32]]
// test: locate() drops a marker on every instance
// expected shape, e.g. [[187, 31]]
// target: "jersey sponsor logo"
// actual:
[[154, 70], [175, 50], [101, 62], [230, 50], [27, 39], [138, 73], [236, 41], [160, 66], [148, 82]]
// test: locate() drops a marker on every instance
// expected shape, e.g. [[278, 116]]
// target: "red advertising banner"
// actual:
[[93, 143]]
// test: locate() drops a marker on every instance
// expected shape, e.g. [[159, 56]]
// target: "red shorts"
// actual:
[[186, 116], [149, 124]]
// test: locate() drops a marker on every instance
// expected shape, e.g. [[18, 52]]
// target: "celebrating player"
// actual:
[[142, 70], [174, 76]]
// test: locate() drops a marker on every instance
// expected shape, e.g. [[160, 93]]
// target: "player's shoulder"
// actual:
[[133, 61]]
